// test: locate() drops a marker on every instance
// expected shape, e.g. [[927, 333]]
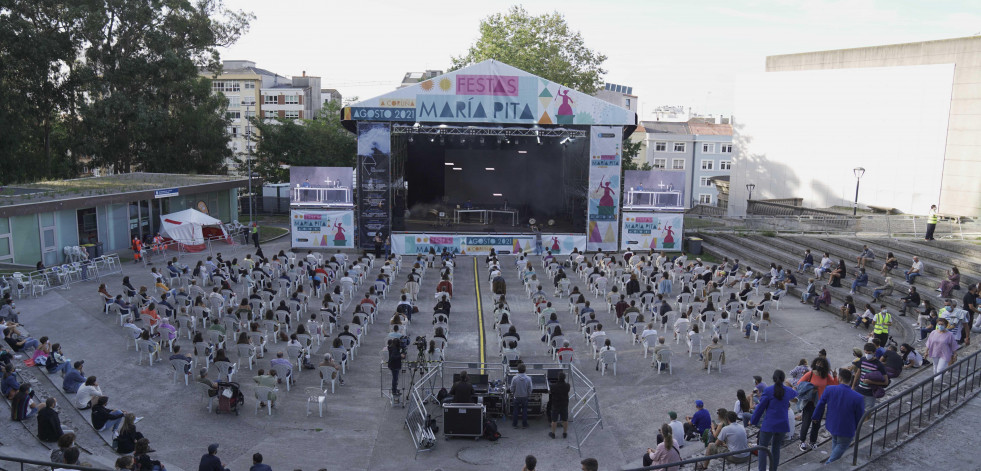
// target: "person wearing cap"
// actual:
[[74, 378], [700, 421], [210, 461], [677, 429]]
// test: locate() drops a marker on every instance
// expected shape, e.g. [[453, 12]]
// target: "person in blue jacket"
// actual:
[[845, 410], [775, 403]]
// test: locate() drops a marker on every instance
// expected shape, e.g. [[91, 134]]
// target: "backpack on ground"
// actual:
[[490, 430]]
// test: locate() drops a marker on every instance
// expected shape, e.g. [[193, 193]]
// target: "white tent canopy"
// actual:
[[187, 227]]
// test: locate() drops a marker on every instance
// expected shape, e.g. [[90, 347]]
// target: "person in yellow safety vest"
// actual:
[[931, 223], [881, 323], [255, 234]]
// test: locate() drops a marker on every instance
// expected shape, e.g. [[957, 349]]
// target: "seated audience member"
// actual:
[[732, 437], [87, 392], [49, 423]]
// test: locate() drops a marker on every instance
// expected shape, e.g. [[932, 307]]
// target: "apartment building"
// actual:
[[700, 150], [298, 98]]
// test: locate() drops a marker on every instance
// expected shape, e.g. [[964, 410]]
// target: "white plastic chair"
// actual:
[[179, 369], [663, 357], [762, 325], [328, 373], [715, 358], [262, 395], [608, 358], [319, 396]]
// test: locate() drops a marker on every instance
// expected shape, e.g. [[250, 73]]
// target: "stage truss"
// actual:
[[492, 131]]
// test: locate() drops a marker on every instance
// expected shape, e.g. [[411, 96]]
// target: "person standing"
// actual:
[[881, 323], [379, 242], [395, 357], [871, 374], [210, 461], [775, 402], [559, 398], [819, 376], [931, 222], [845, 410], [941, 347], [520, 391], [255, 234]]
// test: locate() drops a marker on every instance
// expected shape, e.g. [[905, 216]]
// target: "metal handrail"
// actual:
[[960, 381], [699, 459], [48, 464]]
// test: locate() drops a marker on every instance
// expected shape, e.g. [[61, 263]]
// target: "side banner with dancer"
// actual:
[[605, 152]]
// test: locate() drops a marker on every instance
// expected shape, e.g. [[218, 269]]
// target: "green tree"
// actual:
[[319, 142], [148, 108], [629, 160], [542, 45]]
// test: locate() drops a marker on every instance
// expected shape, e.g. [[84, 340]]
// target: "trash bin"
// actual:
[[695, 245], [90, 249], [98, 249]]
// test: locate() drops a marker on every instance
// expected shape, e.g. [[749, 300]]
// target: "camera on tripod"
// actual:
[[421, 343]]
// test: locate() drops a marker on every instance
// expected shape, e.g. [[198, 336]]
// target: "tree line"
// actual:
[[112, 83]]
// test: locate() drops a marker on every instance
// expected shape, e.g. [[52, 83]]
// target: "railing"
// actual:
[[842, 224], [700, 459], [779, 208], [47, 464], [935, 397]]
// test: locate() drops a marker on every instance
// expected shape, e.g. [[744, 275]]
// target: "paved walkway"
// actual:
[[361, 430]]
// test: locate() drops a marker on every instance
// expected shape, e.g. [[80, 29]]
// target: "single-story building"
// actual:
[[38, 220]]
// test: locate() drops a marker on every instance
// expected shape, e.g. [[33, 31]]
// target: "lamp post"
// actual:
[[750, 187], [859, 171], [248, 147]]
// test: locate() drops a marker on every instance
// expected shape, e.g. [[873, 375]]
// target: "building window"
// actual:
[[726, 148], [661, 163], [248, 100], [626, 103], [704, 182], [233, 131], [704, 199], [660, 146], [250, 113], [294, 114], [708, 148], [725, 165], [270, 114], [271, 100], [678, 164], [679, 146], [233, 115], [234, 101], [292, 100], [248, 85], [708, 165], [224, 86]]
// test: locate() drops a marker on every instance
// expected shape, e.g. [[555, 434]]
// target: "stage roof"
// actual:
[[489, 92]]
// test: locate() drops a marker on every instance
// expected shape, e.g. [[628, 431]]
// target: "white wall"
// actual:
[[800, 134]]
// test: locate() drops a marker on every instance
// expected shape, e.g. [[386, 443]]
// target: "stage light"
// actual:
[[481, 139], [410, 138], [463, 141], [522, 152], [563, 141], [457, 168], [449, 164], [497, 194], [432, 139], [539, 140], [517, 142], [488, 168]]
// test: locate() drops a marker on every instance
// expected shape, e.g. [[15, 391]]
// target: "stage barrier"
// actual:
[[412, 243]]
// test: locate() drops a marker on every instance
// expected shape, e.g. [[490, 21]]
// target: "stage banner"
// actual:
[[604, 187], [652, 231], [654, 190], [490, 92], [417, 243], [313, 229], [374, 181]]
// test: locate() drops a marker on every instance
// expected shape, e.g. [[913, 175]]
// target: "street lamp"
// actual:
[[859, 171], [248, 147], [750, 187]]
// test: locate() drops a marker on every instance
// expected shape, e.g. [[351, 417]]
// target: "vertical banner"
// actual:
[[652, 231], [322, 229], [604, 187], [374, 181]]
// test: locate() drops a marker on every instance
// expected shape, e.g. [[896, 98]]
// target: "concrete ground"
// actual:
[[361, 430]]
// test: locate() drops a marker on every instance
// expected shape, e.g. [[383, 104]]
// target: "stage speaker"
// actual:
[[463, 420]]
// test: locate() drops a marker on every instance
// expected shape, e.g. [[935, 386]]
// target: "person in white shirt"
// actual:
[[86, 392], [825, 266], [915, 270], [649, 331]]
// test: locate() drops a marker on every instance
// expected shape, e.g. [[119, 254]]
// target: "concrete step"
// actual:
[[937, 261], [751, 251]]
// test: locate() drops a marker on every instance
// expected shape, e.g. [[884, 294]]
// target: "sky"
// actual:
[[671, 53]]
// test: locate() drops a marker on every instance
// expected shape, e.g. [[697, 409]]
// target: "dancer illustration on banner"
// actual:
[[607, 205], [339, 239], [669, 238], [555, 244], [564, 114]]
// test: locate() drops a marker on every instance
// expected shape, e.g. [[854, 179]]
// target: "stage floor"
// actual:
[[496, 226]]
